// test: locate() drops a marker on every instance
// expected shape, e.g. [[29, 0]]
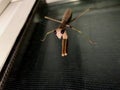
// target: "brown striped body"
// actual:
[[66, 18]]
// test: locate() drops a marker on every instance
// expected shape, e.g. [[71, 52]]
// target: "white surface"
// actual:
[[11, 22], [15, 0], [3, 4], [51, 1]]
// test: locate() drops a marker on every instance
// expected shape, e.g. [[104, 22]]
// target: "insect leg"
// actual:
[[81, 14], [65, 37], [90, 41], [65, 51], [63, 46], [55, 20], [49, 32]]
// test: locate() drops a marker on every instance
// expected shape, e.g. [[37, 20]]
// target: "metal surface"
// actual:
[[87, 67]]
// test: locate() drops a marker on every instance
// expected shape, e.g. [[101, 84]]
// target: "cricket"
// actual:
[[61, 31]]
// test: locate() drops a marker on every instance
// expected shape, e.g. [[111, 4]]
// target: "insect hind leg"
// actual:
[[85, 36]]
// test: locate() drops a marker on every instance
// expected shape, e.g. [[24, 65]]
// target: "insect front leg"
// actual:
[[63, 47], [64, 44], [66, 47]]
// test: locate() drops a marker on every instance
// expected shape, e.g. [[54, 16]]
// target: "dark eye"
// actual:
[[62, 31], [55, 31]]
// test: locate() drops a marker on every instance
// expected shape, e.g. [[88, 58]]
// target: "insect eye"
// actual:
[[62, 31], [55, 31]]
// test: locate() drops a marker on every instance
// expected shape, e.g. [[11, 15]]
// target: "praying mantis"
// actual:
[[61, 32]]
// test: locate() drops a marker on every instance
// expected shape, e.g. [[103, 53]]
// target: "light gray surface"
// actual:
[[3, 5], [10, 26]]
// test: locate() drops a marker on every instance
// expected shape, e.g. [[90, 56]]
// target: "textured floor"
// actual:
[[87, 67]]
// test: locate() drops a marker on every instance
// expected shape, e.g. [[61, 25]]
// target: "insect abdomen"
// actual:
[[67, 15]]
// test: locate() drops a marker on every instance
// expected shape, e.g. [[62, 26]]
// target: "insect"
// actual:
[[61, 32]]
